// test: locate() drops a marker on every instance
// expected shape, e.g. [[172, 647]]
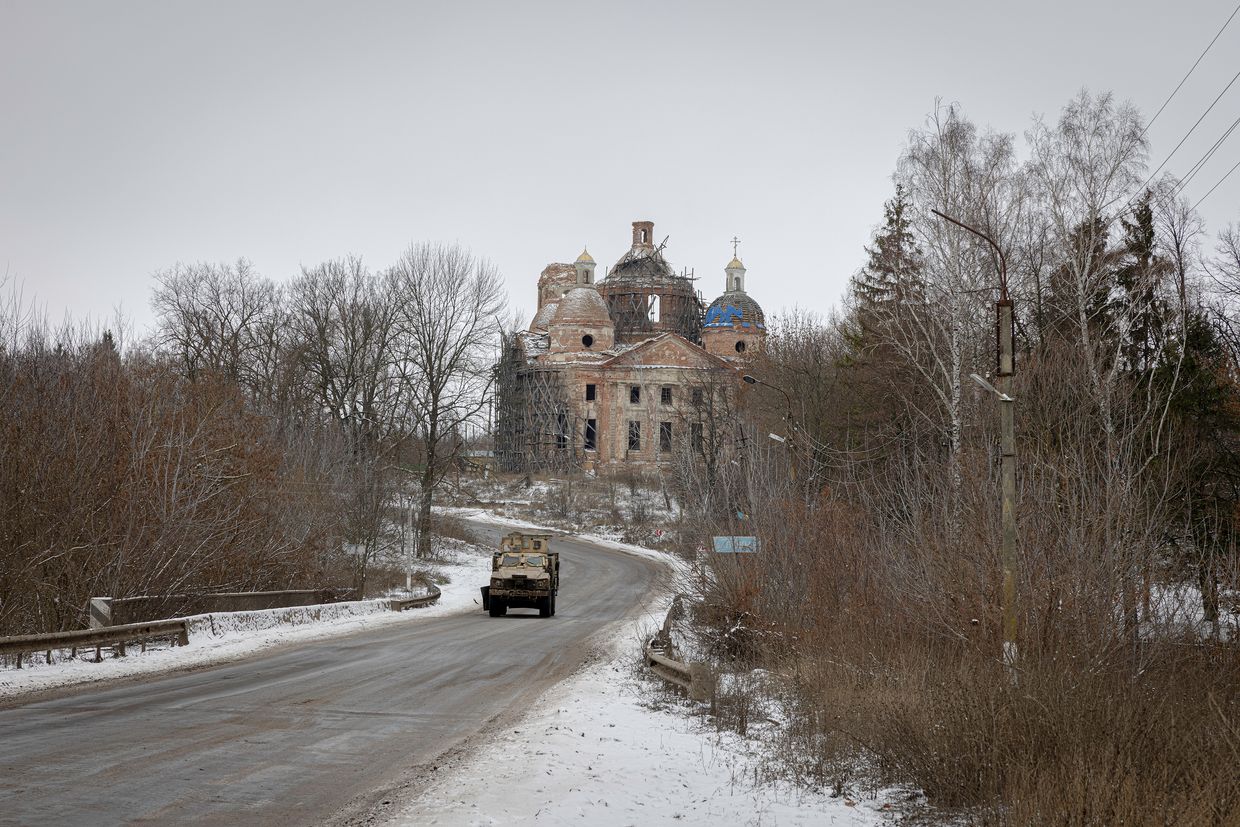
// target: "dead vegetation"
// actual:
[[875, 600]]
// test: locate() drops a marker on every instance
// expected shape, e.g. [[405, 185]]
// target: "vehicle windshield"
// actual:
[[535, 560], [510, 560]]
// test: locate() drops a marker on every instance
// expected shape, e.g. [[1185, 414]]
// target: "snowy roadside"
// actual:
[[596, 750], [599, 748], [228, 636]]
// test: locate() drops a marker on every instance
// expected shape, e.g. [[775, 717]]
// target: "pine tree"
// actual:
[[1205, 404], [891, 277], [1137, 298], [1067, 297]]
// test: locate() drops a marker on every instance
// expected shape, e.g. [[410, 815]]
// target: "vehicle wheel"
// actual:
[[553, 605], [544, 607], [498, 608]]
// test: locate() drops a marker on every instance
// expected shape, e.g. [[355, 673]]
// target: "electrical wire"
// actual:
[[1216, 186], [1201, 162], [1192, 129], [1196, 167], [1191, 70]]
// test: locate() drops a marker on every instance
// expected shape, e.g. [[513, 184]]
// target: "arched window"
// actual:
[[740, 347], [656, 309], [642, 236]]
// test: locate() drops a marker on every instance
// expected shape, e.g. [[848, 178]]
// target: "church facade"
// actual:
[[625, 371]]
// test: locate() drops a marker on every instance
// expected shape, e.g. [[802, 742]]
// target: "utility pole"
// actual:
[[1007, 445], [1005, 369]]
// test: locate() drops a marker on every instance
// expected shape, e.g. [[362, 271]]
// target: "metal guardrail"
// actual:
[[115, 636], [695, 678], [399, 604], [118, 637]]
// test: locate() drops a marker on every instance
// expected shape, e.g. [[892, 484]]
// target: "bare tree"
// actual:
[[344, 322], [939, 332], [1085, 169], [449, 304], [345, 336], [207, 316]]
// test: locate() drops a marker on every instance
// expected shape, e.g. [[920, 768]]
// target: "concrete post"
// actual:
[[100, 612], [1007, 444], [701, 683]]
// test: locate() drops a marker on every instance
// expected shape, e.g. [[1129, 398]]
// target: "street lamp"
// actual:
[[792, 425], [753, 380], [1004, 347]]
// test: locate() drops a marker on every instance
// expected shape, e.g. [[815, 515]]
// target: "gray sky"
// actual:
[[135, 135]]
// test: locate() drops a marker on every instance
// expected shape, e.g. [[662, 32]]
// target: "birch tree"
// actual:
[[939, 332]]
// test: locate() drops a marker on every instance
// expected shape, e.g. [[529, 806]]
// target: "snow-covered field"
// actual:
[[222, 637]]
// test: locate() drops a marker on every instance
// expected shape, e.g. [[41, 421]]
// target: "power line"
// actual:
[[1190, 71], [1219, 184], [1197, 167], [1191, 130]]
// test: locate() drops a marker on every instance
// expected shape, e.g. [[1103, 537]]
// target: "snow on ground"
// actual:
[[1176, 608], [594, 750], [607, 540], [227, 636], [492, 517]]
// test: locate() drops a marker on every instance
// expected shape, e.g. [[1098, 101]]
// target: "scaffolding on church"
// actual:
[[644, 296], [535, 427]]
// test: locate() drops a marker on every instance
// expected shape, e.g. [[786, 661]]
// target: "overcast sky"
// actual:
[[135, 135]]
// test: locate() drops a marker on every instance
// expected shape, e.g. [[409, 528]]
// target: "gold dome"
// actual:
[[585, 257]]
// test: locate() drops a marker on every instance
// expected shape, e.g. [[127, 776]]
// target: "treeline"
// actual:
[[264, 436], [878, 587]]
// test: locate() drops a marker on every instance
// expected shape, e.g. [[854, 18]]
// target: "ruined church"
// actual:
[[624, 371]]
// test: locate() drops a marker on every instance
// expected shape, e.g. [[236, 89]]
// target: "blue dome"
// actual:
[[732, 310]]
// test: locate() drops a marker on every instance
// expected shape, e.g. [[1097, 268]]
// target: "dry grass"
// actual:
[[1085, 744], [889, 681]]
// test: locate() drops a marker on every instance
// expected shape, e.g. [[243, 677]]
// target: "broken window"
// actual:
[[740, 347], [635, 435], [697, 396], [665, 436], [591, 434], [656, 315], [695, 436], [665, 395], [561, 430], [635, 395], [589, 393]]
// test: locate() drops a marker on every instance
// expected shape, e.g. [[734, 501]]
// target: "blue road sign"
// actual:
[[736, 545]]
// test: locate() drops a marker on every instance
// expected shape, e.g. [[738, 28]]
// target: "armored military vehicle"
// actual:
[[525, 574]]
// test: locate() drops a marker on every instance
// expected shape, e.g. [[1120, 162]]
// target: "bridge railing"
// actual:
[[117, 637], [399, 604]]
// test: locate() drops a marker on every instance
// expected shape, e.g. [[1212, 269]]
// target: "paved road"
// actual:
[[313, 733]]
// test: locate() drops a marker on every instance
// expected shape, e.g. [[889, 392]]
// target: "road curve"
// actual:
[[307, 734]]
